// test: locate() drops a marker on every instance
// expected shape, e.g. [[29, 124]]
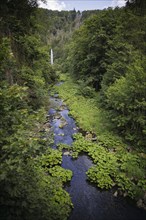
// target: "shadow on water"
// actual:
[[89, 202]]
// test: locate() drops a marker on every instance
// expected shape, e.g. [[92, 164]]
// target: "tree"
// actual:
[[127, 104], [30, 191], [139, 6], [90, 45]]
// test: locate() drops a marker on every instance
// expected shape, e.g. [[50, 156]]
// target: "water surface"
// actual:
[[90, 203]]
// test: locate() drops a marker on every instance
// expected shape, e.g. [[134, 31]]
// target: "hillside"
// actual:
[[100, 56]]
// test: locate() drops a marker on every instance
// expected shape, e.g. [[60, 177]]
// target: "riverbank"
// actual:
[[89, 202], [114, 161]]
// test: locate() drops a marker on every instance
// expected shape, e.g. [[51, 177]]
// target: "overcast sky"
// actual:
[[81, 4]]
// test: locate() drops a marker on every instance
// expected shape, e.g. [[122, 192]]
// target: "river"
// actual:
[[90, 203]]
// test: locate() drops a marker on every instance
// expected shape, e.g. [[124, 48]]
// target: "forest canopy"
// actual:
[[104, 51], [108, 54], [26, 76]]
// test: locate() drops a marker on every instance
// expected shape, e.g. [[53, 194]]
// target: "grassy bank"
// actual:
[[115, 163], [87, 114]]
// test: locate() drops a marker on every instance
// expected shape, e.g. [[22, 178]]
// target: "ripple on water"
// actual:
[[90, 203]]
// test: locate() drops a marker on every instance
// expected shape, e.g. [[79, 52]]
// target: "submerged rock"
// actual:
[[63, 124], [56, 95], [62, 107], [57, 116], [61, 134]]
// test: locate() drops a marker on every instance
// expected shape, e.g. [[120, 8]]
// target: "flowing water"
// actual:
[[89, 202]]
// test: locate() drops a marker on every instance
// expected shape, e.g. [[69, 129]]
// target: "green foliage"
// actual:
[[31, 194], [120, 168], [50, 158], [88, 115], [7, 61], [29, 190], [138, 6], [107, 53], [57, 29], [126, 185], [63, 146], [88, 53], [60, 173], [100, 177], [85, 90], [25, 161], [126, 99], [131, 164], [113, 164], [16, 16]]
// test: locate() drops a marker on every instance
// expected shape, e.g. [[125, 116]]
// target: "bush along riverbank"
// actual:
[[115, 162]]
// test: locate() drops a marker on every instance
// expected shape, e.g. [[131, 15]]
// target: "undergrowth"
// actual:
[[120, 168], [87, 114], [115, 163]]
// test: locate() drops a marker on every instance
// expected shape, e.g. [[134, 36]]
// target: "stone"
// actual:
[[55, 95], [57, 116], [125, 194], [94, 139], [61, 134], [140, 203], [112, 150], [47, 124], [67, 153], [62, 107], [115, 194], [88, 136], [62, 124]]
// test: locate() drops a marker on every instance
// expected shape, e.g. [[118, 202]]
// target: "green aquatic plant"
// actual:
[[60, 174], [61, 146], [100, 177], [51, 158], [112, 168]]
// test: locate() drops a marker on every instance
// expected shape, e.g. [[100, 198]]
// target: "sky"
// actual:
[[80, 4]]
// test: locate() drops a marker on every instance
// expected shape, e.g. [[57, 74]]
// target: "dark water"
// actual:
[[89, 202]]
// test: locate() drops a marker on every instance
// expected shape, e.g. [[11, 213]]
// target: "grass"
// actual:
[[87, 114], [113, 164]]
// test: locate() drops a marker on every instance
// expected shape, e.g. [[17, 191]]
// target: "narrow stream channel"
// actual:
[[89, 202]]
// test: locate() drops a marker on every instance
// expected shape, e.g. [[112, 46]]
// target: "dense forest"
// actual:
[[108, 54], [26, 77], [102, 55]]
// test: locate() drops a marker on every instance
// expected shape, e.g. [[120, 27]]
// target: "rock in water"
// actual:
[[115, 194], [67, 153]]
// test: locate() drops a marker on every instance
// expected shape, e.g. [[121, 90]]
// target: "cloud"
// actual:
[[119, 3], [53, 5]]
